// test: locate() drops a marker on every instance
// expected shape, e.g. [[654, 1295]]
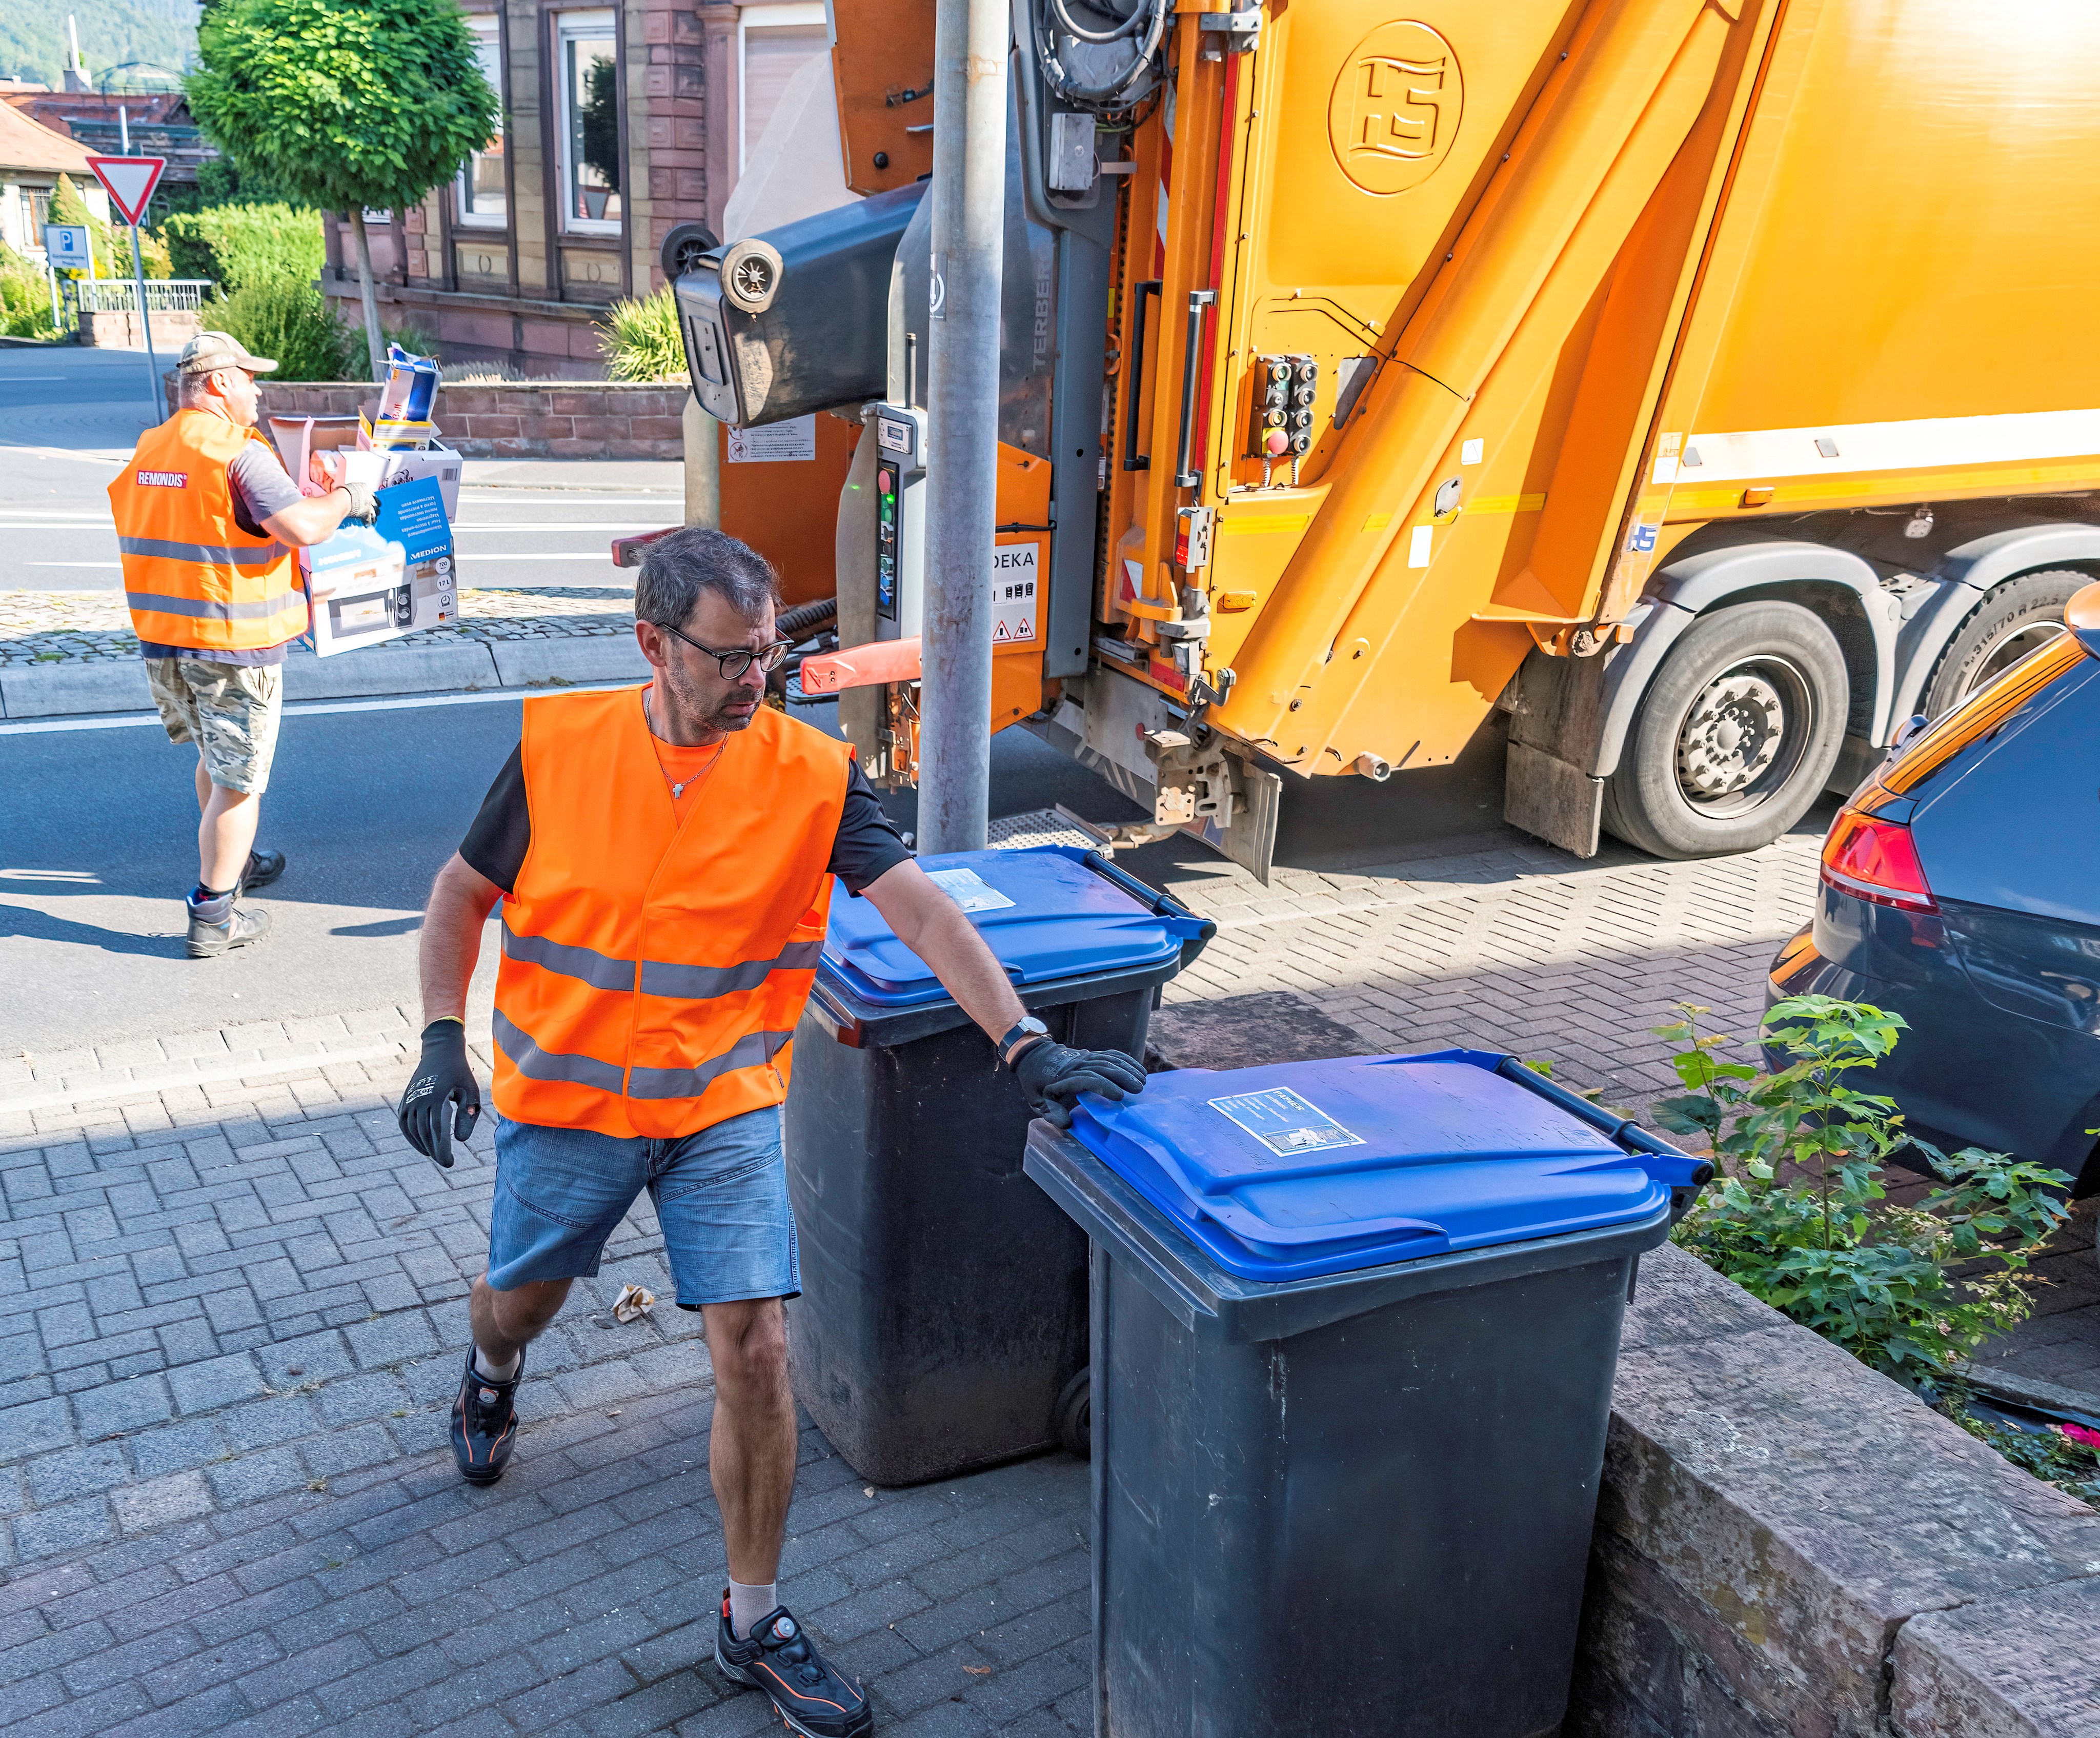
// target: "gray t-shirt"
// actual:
[[262, 489]]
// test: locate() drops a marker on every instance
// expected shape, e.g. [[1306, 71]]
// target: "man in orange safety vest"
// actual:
[[207, 522], [664, 856]]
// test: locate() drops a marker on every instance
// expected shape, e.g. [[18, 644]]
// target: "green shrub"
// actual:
[[237, 245], [25, 296], [1799, 1216], [287, 319], [641, 339]]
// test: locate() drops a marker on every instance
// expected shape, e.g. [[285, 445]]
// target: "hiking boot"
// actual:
[[219, 926], [812, 1697], [264, 868], [485, 1423]]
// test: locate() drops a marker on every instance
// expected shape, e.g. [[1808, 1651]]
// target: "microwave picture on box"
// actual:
[[354, 614]]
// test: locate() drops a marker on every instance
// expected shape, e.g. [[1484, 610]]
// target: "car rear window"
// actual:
[[1984, 714]]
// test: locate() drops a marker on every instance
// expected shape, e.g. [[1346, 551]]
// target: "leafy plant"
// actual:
[[2065, 1455], [237, 245], [25, 296], [1800, 1216], [642, 341], [288, 319], [346, 104]]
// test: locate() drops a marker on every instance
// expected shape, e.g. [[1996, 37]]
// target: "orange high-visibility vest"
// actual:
[[192, 576], [653, 970]]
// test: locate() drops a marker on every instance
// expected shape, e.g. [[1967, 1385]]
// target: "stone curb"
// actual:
[[67, 691]]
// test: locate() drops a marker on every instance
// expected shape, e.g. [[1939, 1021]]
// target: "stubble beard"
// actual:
[[691, 702]]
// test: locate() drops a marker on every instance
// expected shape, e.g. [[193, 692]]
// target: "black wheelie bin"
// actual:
[[942, 1323], [1354, 1328]]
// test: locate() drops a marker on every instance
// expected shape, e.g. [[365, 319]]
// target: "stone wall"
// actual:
[[172, 327], [522, 419], [1788, 1544]]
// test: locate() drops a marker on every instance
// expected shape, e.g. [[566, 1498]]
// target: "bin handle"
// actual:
[[1195, 931], [832, 1015]]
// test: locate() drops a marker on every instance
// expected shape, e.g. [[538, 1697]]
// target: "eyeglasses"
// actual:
[[734, 663]]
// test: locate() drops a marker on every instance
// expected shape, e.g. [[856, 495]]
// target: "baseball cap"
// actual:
[[220, 350]]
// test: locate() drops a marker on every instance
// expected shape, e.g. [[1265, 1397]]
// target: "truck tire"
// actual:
[[750, 275], [1735, 737], [2019, 617]]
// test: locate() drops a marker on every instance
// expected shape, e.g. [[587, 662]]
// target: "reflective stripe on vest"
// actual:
[[208, 554], [688, 983], [753, 1050], [653, 966], [194, 578]]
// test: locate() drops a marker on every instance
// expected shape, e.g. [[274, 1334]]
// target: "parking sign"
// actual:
[[65, 245]]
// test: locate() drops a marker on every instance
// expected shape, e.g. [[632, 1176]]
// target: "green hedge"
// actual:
[[237, 246], [287, 319]]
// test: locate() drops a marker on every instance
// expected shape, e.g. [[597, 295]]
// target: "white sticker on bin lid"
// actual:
[[1284, 1122], [972, 894]]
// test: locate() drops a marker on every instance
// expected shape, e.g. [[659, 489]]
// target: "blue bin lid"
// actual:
[[1310, 1168], [1046, 915]]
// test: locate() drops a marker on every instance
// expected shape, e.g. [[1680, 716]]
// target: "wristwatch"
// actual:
[[1025, 1030]]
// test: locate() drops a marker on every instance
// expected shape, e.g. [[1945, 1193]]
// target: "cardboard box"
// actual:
[[371, 583], [326, 451]]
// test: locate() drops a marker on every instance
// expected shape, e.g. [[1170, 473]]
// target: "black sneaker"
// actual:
[[264, 868], [813, 1698], [485, 1423], [219, 926]]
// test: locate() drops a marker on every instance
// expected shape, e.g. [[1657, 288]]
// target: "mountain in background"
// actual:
[[33, 36]]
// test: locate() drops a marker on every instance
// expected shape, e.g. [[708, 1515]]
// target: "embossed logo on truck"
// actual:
[[1396, 107]]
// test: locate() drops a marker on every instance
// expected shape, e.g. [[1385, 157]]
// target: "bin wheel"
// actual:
[[750, 275], [1072, 1417], [684, 247]]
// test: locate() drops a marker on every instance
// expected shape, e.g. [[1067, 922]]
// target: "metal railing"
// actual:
[[121, 295]]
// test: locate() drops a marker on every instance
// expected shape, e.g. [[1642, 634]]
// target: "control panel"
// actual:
[[900, 481], [1281, 425]]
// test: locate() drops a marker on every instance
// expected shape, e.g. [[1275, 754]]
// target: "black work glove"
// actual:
[[363, 505], [1053, 1075], [444, 1083]]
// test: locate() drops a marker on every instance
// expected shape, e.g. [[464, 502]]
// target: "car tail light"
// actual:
[[1871, 858]]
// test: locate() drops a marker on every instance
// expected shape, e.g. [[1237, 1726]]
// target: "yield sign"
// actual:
[[130, 181]]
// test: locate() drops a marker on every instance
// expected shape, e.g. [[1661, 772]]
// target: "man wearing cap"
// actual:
[[664, 859], [207, 521]]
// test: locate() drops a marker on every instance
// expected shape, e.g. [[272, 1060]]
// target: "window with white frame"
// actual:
[[775, 42], [480, 202], [587, 82]]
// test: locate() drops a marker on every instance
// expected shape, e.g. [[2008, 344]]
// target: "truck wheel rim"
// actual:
[[1743, 736], [2019, 646]]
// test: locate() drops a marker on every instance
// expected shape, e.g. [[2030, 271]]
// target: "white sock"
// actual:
[[746, 1605], [485, 1365]]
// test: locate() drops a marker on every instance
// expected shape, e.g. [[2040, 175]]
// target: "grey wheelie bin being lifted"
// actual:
[[1354, 1328], [942, 1323]]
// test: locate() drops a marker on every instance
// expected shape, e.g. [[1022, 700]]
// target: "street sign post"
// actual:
[[68, 247], [130, 182]]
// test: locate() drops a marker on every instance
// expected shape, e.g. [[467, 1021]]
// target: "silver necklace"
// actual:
[[678, 790]]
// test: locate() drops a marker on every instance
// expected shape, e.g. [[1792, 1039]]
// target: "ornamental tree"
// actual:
[[345, 104]]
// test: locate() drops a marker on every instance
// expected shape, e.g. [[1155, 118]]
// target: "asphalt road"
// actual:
[[69, 418], [98, 846]]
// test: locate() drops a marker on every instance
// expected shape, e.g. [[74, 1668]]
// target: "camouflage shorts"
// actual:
[[230, 711]]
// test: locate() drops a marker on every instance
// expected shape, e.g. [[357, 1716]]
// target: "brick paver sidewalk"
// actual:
[[230, 1323]]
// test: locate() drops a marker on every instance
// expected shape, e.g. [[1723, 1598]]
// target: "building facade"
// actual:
[[620, 121]]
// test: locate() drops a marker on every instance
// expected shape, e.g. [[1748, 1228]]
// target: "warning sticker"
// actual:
[[776, 443], [1013, 582], [1284, 1122], [972, 894]]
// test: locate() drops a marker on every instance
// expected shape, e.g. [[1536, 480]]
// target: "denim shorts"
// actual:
[[720, 1198]]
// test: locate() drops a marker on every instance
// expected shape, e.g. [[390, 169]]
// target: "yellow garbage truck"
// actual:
[[1645, 406]]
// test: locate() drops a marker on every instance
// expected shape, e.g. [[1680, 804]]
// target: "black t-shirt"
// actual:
[[866, 847]]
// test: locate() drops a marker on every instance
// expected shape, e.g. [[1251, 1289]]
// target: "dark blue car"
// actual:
[[1961, 889]]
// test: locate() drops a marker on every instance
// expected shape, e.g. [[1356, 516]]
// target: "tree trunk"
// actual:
[[375, 340]]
